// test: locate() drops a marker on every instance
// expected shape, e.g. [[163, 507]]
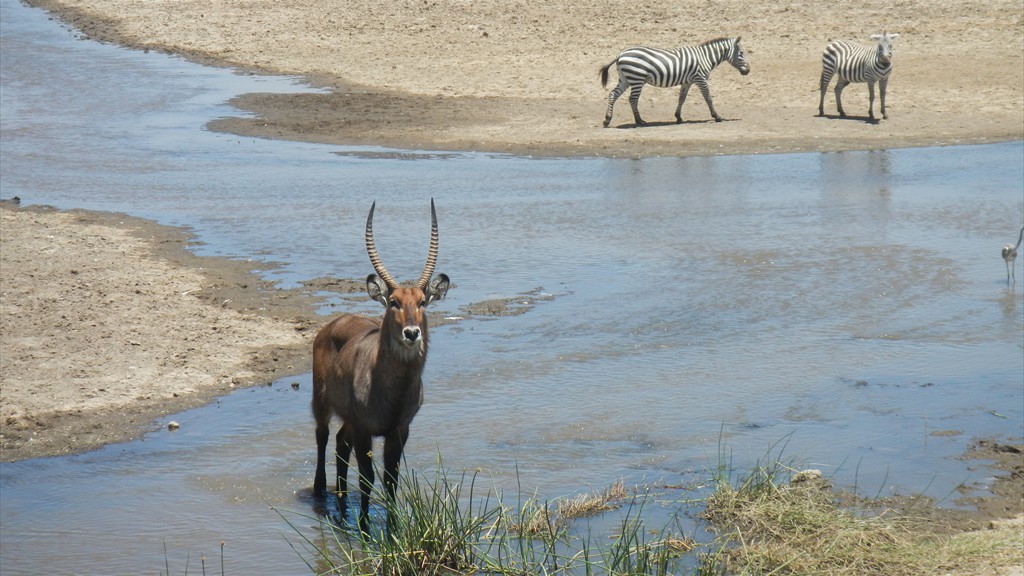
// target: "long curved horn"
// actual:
[[371, 249], [428, 269]]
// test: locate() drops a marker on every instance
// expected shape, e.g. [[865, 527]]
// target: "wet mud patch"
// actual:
[[355, 291], [1003, 497], [369, 117], [344, 286], [991, 505], [502, 307]]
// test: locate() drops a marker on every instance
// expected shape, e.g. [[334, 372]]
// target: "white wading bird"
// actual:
[[1010, 256]]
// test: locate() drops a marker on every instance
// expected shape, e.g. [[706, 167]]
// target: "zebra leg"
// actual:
[[881, 94], [612, 97], [826, 77], [840, 84], [682, 98], [634, 103], [871, 99], [706, 91]]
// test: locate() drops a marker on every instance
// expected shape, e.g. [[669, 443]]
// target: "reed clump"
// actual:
[[767, 521]]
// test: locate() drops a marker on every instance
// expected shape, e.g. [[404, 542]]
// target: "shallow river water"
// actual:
[[851, 305]]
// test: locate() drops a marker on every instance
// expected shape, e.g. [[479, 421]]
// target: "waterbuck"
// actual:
[[368, 373]]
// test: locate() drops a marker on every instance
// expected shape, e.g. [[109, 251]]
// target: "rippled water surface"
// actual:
[[851, 304]]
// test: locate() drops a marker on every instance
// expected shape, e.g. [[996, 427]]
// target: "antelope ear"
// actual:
[[438, 287], [377, 289]]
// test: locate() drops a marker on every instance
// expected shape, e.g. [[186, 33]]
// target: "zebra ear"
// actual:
[[894, 35], [875, 36], [738, 38]]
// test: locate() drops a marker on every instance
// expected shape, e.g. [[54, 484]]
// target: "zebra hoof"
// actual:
[[718, 118]]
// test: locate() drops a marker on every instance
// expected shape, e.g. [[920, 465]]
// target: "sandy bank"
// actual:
[[521, 76]]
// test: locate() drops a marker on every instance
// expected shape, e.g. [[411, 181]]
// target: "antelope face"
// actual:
[[405, 316], [407, 308]]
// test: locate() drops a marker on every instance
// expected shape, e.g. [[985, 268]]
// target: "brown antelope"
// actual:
[[369, 374]]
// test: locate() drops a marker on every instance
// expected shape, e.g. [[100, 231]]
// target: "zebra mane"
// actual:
[[716, 40]]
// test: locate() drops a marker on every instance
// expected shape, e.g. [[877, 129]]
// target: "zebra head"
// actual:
[[885, 46], [737, 58]]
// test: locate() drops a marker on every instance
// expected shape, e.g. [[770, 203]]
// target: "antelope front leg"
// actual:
[[394, 444], [706, 91], [363, 445], [320, 476], [343, 451]]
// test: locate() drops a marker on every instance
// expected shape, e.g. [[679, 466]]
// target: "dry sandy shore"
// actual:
[[520, 76], [110, 322]]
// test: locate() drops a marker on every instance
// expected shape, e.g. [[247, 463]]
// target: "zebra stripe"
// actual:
[[855, 63], [663, 68]]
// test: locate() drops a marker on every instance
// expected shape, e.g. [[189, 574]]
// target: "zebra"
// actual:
[[856, 63], [683, 66]]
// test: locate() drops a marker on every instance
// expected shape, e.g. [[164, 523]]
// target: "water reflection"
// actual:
[[860, 180]]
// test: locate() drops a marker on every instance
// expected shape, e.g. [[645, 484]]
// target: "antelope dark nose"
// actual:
[[411, 334]]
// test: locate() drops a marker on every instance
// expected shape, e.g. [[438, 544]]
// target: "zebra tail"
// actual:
[[604, 74]]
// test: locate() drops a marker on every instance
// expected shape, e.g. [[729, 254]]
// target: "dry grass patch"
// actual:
[[768, 527], [536, 519]]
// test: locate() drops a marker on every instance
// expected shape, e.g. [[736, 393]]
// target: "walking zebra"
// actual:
[[683, 66], [856, 63]]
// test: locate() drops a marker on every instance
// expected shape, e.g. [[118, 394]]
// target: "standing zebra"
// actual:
[[683, 66], [856, 63]]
